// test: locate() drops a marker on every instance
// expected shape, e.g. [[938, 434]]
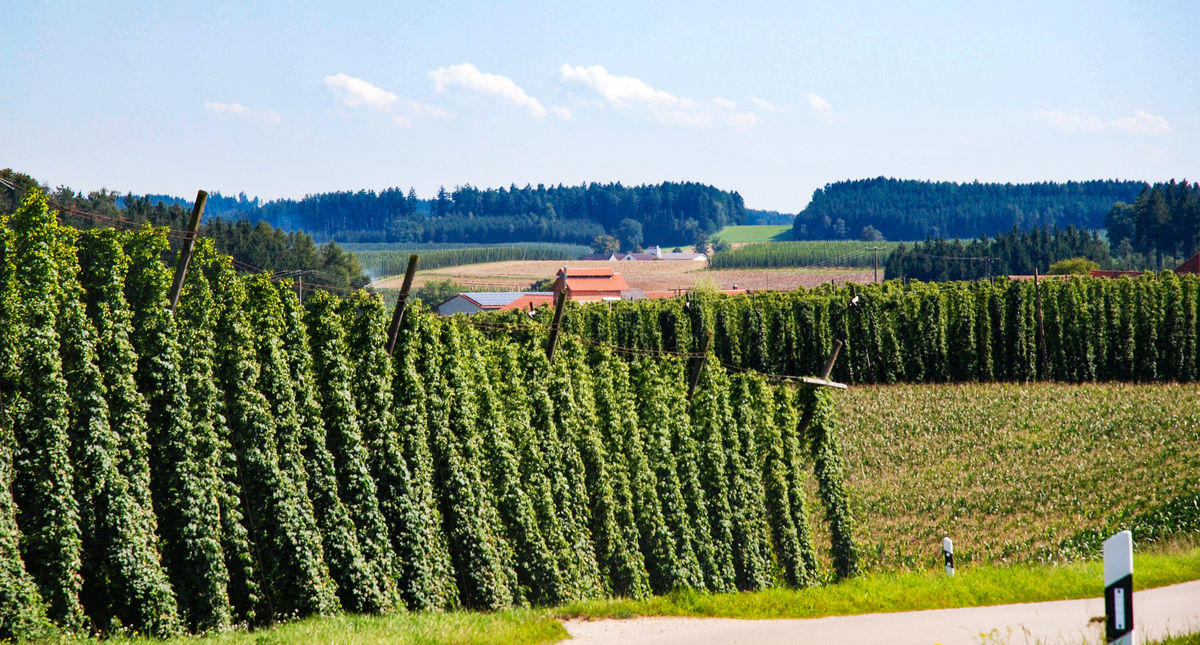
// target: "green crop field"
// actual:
[[1017, 473], [756, 233], [837, 253]]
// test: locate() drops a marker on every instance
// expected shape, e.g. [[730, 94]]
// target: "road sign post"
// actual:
[[948, 554], [1118, 589]]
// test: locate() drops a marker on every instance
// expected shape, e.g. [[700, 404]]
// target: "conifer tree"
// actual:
[[185, 499], [47, 512], [285, 539]]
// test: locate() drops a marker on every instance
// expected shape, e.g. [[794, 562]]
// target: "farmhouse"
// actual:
[[590, 284], [652, 253], [475, 302]]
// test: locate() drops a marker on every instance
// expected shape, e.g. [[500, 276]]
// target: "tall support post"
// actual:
[[1118, 589], [948, 555], [556, 324], [808, 412], [876, 250], [185, 251], [401, 304], [697, 365]]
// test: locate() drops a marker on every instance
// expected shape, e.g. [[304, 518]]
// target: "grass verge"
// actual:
[[909, 591], [519, 627]]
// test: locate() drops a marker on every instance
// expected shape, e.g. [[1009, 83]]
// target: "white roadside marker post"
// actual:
[[948, 554], [1118, 588]]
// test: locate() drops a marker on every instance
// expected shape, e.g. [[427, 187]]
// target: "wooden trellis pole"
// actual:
[[185, 251], [401, 304]]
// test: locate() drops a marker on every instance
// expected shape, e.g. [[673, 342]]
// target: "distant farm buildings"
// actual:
[[475, 302], [651, 253]]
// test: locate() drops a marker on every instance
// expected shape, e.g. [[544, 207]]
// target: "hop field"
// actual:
[[804, 254], [1012, 473]]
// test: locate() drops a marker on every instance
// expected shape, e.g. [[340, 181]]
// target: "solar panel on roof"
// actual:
[[498, 298]]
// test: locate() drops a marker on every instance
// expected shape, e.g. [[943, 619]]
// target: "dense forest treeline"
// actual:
[[667, 213], [258, 245], [915, 210], [247, 458], [1159, 230], [1013, 253], [1162, 223]]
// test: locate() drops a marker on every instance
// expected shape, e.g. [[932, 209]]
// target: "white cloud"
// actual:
[[562, 113], [239, 110], [225, 108], [403, 122], [1141, 122], [820, 105], [634, 95], [621, 91], [434, 111], [356, 92], [469, 76], [764, 105]]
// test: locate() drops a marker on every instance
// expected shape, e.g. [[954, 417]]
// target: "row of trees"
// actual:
[[261, 245], [1013, 253], [247, 459], [1163, 223], [673, 213], [915, 210], [1088, 329]]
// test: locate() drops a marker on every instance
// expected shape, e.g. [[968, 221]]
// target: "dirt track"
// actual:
[[1157, 612], [649, 276]]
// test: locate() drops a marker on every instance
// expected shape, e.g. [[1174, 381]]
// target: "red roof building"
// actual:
[[590, 284]]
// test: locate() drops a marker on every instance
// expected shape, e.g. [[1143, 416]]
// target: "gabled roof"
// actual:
[[1191, 266], [492, 298], [583, 272]]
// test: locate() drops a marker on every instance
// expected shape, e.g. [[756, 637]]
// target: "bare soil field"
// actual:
[[648, 276]]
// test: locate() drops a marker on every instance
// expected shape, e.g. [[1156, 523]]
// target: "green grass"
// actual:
[[907, 591], [519, 627], [755, 233]]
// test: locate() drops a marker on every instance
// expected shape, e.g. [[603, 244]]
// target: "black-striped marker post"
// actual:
[[948, 554], [1118, 588]]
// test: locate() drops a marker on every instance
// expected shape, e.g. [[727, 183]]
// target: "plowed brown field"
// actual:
[[648, 276]]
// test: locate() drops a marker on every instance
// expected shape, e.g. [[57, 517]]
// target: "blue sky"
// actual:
[[773, 100]]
